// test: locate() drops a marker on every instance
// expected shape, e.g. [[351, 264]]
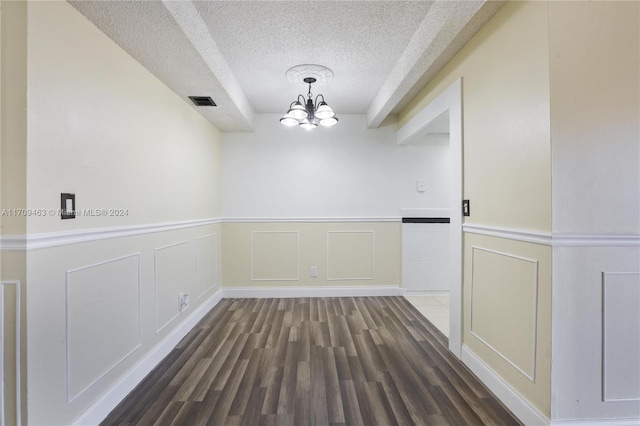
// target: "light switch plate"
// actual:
[[421, 185], [67, 206]]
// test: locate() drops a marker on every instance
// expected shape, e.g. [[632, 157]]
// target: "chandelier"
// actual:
[[309, 113]]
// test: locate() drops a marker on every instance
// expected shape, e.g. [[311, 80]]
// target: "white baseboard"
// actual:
[[521, 408], [425, 293], [332, 291], [597, 422], [101, 408]]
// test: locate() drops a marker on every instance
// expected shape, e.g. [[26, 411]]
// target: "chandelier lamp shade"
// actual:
[[308, 113]]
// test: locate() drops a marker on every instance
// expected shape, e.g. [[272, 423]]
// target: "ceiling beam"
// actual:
[[445, 29], [241, 112]]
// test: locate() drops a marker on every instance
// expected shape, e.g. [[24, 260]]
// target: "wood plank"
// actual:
[[320, 361]]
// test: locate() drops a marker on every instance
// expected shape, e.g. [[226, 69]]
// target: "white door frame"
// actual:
[[449, 101]]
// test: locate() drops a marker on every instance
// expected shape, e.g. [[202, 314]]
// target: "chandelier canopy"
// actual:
[[308, 113]]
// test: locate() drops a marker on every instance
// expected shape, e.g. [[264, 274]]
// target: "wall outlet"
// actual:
[[183, 302], [314, 272], [421, 185]]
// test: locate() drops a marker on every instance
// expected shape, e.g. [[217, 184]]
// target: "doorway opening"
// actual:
[[440, 120]]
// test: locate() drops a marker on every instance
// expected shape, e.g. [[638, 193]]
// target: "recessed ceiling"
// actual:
[[237, 52]]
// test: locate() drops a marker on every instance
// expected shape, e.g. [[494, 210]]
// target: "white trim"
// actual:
[[328, 291], [2, 384], [373, 255], [311, 219], [604, 337], [592, 240], [155, 280], [97, 412], [531, 376], [18, 367], [71, 398], [13, 242], [447, 102], [520, 407], [55, 239], [526, 235], [435, 109], [297, 278], [549, 238], [597, 422]]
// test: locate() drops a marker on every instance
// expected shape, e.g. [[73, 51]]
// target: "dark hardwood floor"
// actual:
[[312, 361]]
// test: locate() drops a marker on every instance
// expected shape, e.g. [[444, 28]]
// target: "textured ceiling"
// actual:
[[381, 52]]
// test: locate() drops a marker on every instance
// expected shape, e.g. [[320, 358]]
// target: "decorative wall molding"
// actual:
[[56, 239], [529, 375], [527, 413], [116, 393], [297, 277], [593, 240], [597, 422], [70, 397], [549, 238], [526, 235], [297, 291], [18, 328], [159, 328], [623, 332], [311, 219]]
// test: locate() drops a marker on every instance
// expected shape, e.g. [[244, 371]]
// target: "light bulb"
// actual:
[[297, 111], [328, 122], [324, 111], [308, 124], [288, 120]]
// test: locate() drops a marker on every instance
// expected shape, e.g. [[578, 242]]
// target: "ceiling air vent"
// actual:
[[202, 101]]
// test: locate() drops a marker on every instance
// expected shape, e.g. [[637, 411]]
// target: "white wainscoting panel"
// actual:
[[504, 295], [97, 412], [171, 278], [620, 336], [103, 319], [425, 257], [7, 341], [2, 349], [350, 255], [275, 256], [207, 263]]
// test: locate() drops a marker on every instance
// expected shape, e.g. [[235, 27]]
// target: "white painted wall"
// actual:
[[342, 171]]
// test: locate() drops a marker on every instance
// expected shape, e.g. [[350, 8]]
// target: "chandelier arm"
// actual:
[[315, 104]]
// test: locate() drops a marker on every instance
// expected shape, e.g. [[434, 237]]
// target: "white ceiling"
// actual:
[[381, 52]]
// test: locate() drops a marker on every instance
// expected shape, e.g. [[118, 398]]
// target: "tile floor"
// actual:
[[434, 307]]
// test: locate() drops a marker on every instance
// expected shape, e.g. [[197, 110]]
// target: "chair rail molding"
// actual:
[[56, 239]]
